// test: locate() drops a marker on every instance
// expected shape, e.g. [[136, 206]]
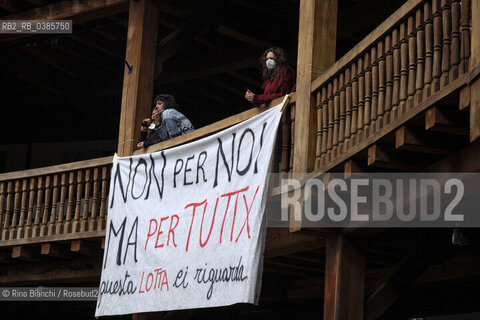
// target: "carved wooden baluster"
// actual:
[[336, 117], [292, 136], [437, 45], [46, 206], [412, 60], [420, 56], [427, 16], [38, 209], [318, 150], [396, 75], [84, 222], [102, 222], [455, 50], [53, 212], [8, 211], [61, 205], [71, 195], [324, 124], [17, 200], [465, 45], [92, 225], [277, 150], [32, 193], [403, 68], [3, 196], [446, 41], [374, 102], [330, 120], [361, 99], [23, 210], [388, 79], [78, 202], [341, 126], [348, 109], [286, 126], [368, 96], [381, 85], [353, 129]]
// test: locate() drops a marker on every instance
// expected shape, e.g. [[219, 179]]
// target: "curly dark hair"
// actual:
[[167, 99], [281, 60]]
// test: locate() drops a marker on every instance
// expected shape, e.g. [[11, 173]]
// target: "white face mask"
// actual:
[[270, 64]]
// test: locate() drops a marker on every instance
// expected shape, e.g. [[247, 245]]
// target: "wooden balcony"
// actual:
[[399, 100], [405, 99], [68, 202], [402, 91]]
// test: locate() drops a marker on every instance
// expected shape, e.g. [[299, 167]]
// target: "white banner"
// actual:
[[186, 225]]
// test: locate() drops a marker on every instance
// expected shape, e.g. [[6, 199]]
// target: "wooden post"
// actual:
[[344, 280], [317, 35], [475, 61], [139, 72]]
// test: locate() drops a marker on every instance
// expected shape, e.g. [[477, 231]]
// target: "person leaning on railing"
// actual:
[[277, 76], [166, 122]]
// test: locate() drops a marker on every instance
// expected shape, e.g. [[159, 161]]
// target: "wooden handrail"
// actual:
[[212, 128], [366, 43], [56, 169]]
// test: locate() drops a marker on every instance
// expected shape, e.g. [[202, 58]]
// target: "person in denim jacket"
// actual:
[[166, 122]]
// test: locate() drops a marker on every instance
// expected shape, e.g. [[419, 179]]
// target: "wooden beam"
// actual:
[[77, 10], [280, 242], [207, 65], [408, 139], [435, 116], [86, 248], [351, 166], [376, 153], [26, 253], [399, 278], [464, 100], [138, 82], [316, 51], [42, 84], [176, 41], [344, 280], [101, 47], [55, 251], [240, 36], [438, 120], [474, 63]]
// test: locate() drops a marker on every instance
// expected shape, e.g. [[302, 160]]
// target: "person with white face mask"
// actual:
[[278, 77]]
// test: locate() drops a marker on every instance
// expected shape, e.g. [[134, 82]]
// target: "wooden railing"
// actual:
[[69, 201], [54, 202], [420, 49], [283, 151]]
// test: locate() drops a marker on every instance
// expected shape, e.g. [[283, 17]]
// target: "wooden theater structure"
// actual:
[[382, 86]]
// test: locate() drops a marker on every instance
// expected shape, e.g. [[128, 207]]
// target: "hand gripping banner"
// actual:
[[186, 225]]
